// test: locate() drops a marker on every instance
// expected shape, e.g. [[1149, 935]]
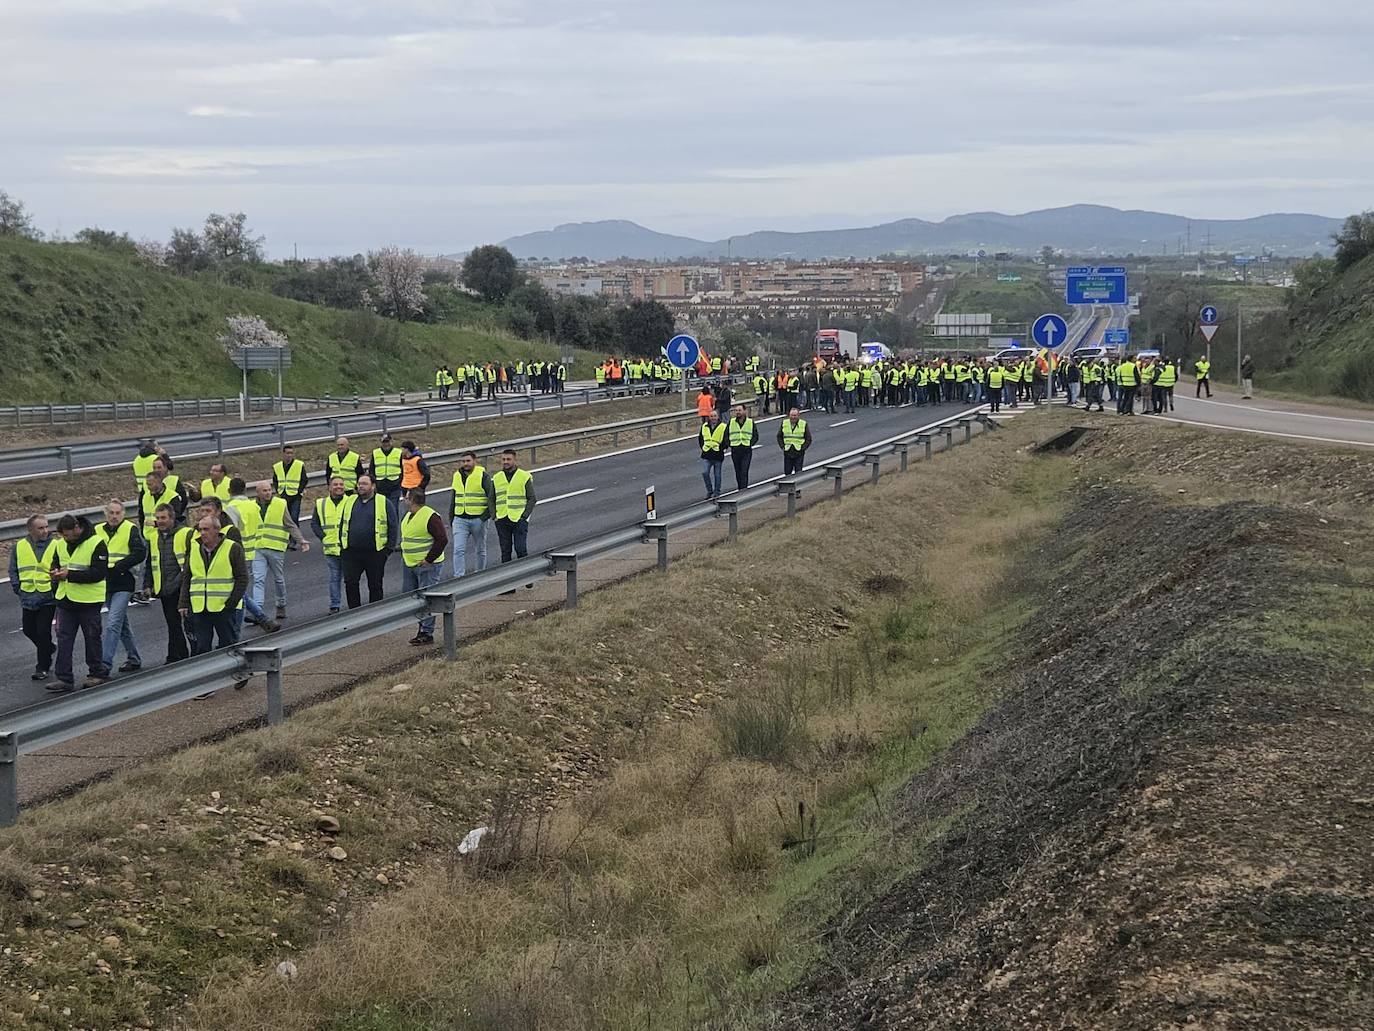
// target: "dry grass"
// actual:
[[594, 913]]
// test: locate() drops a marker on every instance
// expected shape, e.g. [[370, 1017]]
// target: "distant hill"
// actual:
[[1078, 229]]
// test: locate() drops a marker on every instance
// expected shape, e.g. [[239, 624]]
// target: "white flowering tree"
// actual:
[[249, 331], [398, 283], [151, 252]]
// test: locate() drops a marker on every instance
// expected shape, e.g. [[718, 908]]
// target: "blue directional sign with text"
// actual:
[[683, 351], [1085, 285], [1117, 336], [1208, 315], [1050, 331]]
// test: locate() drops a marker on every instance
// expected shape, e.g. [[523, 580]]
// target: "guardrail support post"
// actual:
[[268, 660], [836, 473], [427, 415], [924, 438], [9, 780], [67, 458], [534, 453], [385, 428], [281, 435], [731, 510], [790, 488], [874, 462], [949, 437], [355, 402], [658, 532], [443, 604], [334, 428], [566, 562], [967, 424], [902, 450]]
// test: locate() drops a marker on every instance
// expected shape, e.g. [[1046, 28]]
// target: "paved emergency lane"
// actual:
[[1298, 422], [579, 499]]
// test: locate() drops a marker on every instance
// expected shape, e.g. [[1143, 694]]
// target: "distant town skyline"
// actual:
[[340, 125]]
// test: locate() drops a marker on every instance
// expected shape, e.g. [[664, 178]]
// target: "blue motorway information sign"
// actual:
[[1085, 285], [1116, 336]]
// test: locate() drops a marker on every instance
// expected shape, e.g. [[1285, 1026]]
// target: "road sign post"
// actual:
[[1207, 320]]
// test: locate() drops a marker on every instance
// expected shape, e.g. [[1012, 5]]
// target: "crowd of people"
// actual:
[[208, 552], [491, 378]]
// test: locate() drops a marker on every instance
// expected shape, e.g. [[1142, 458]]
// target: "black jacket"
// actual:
[[119, 576], [100, 560]]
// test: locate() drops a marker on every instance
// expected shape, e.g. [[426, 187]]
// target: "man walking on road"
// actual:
[[245, 514], [345, 462], [167, 551], [743, 435], [289, 480], [473, 504], [1126, 376], [79, 562], [216, 485], [329, 512], [30, 559], [368, 530], [214, 583], [386, 469], [1203, 369], [276, 529], [711, 441], [794, 437], [515, 500], [423, 539], [1247, 378], [125, 550]]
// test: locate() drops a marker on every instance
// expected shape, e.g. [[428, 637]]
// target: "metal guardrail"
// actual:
[[19, 416], [13, 529], [61, 719], [221, 442]]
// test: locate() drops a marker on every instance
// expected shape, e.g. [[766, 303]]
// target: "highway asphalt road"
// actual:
[[579, 499], [116, 452]]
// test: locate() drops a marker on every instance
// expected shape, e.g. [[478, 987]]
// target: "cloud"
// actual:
[[217, 111]]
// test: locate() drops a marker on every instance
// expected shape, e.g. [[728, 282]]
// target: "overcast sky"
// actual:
[[340, 125]]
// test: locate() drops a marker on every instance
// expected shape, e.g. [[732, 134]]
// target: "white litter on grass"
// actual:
[[286, 970], [469, 843]]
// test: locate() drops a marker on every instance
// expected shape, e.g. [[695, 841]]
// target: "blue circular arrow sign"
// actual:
[[1208, 315], [683, 351], [1050, 330]]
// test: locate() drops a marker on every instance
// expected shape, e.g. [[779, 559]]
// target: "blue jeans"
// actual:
[[118, 631], [419, 578], [335, 564], [463, 528], [264, 560], [710, 474]]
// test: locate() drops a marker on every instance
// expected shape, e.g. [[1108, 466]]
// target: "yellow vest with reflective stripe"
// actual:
[[741, 434], [272, 534], [84, 594], [211, 584], [116, 542], [249, 518], [328, 514], [793, 437], [33, 570], [416, 541], [712, 440], [381, 527], [386, 465], [181, 543], [142, 467], [288, 480], [148, 505], [209, 490], [345, 468], [1125, 374], [510, 493], [469, 499], [1168, 375]]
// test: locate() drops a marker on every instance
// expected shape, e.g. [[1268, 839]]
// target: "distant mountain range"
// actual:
[[1077, 229]]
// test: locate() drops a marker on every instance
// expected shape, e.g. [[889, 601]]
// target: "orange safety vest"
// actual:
[[410, 472], [781, 381], [706, 404], [616, 370]]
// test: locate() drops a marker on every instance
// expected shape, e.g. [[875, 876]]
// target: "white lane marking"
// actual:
[[842, 422], [564, 497], [1265, 433], [1277, 411]]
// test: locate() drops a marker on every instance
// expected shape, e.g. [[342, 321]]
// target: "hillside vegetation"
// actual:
[[81, 325], [1010, 302]]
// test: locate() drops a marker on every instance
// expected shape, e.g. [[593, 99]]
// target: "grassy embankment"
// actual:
[[86, 326], [1010, 302]]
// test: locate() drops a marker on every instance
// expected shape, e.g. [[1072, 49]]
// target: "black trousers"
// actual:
[[176, 630], [37, 624], [1204, 384], [741, 457], [793, 461], [210, 627], [356, 563]]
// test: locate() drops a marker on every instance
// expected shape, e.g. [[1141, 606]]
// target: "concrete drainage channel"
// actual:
[[1067, 442]]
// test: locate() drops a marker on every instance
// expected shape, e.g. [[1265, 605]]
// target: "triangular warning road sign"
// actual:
[[1208, 332]]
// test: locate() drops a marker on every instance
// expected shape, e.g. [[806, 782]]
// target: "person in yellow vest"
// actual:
[[443, 380], [472, 506], [414, 468], [276, 529], [794, 437], [1127, 379], [30, 559], [711, 441], [995, 375], [77, 568], [345, 462], [385, 468], [423, 540], [125, 550], [368, 532], [741, 435], [213, 586], [289, 480], [1203, 369], [155, 493], [168, 546], [329, 512], [243, 512], [148, 450], [1165, 378], [515, 501], [216, 485], [560, 377]]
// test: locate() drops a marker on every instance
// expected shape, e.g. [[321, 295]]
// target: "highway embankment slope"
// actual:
[[1014, 739]]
